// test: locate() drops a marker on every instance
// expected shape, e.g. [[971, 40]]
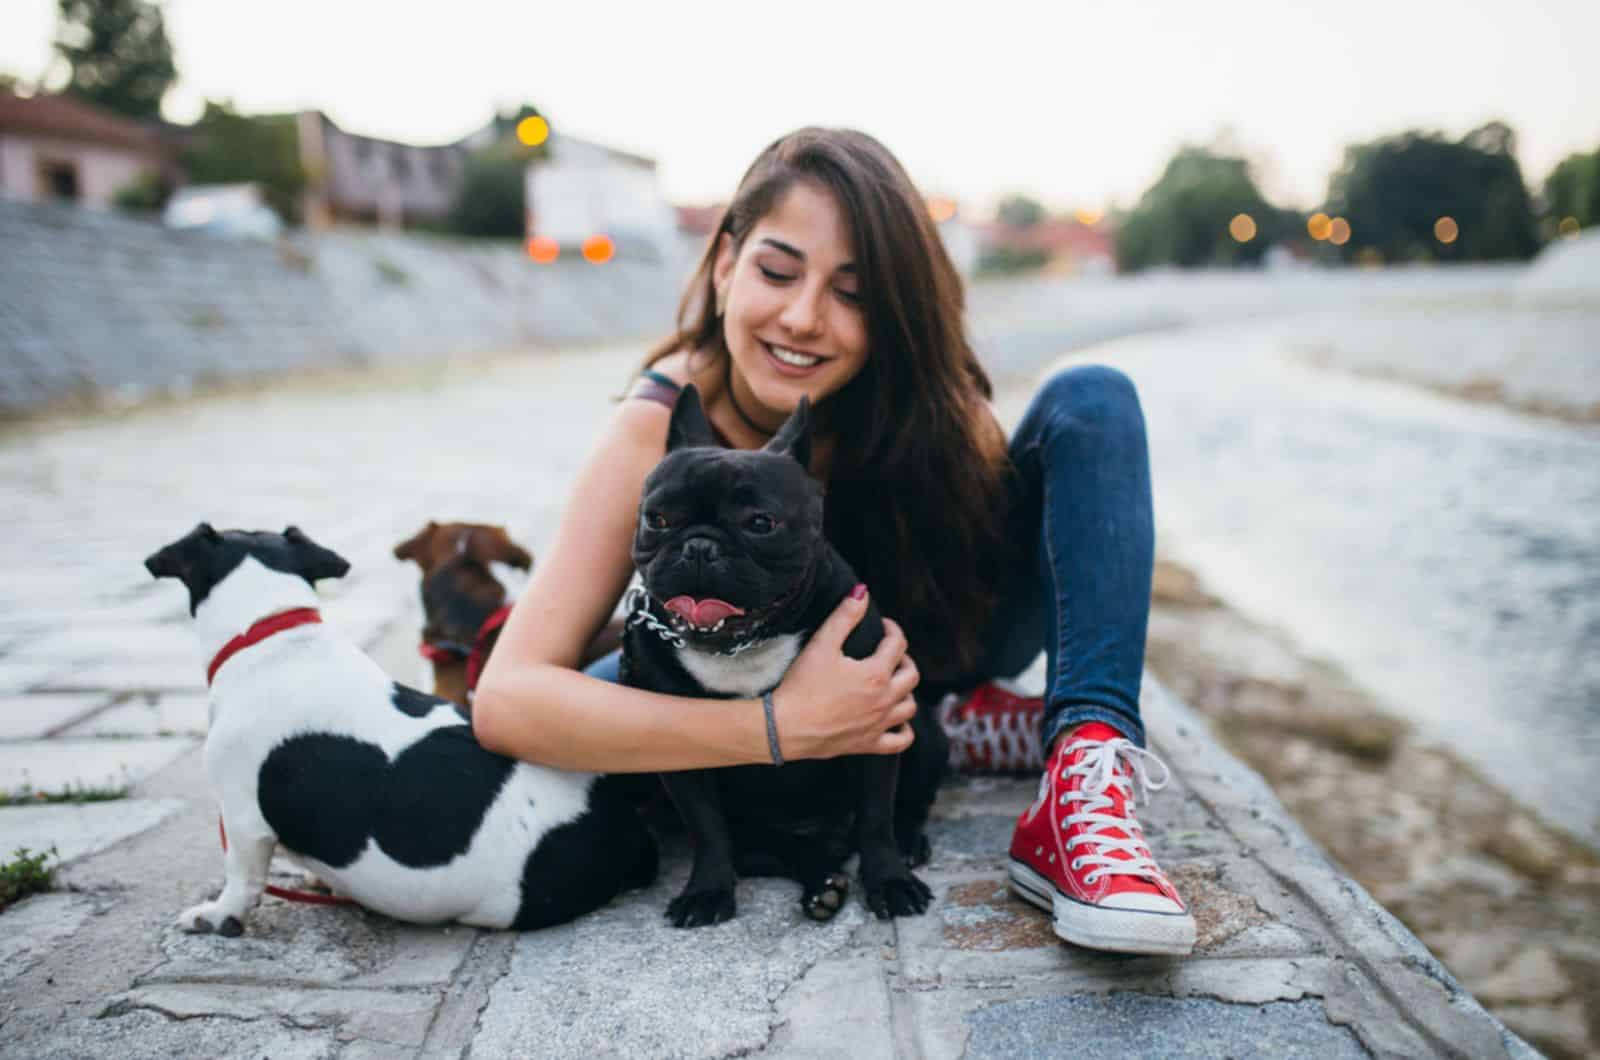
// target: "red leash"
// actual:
[[308, 897]]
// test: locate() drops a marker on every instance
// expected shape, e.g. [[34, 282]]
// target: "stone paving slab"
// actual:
[[147, 714], [69, 765], [75, 831], [33, 717]]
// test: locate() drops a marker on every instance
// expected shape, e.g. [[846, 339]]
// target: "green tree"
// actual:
[[1184, 217], [1393, 191], [1573, 190], [234, 148], [493, 197], [1019, 211], [118, 54]]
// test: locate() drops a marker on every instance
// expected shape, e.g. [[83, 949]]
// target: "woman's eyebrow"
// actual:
[[799, 255]]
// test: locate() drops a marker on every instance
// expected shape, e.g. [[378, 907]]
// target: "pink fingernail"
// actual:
[[859, 592]]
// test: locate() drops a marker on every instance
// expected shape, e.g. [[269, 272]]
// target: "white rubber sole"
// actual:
[[1098, 928]]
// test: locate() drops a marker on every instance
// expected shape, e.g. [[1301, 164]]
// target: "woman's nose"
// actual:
[[803, 314]]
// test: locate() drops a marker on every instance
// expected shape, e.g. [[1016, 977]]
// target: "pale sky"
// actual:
[[1078, 104]]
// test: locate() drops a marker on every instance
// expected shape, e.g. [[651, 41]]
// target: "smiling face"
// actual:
[[793, 314]]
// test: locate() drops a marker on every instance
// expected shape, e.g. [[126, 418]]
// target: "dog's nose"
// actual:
[[701, 550]]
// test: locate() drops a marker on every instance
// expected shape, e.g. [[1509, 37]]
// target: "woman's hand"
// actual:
[[829, 704]]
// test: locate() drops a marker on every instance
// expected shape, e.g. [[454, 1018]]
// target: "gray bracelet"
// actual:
[[772, 729]]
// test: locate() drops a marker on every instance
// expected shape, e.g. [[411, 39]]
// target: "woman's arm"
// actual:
[[533, 703]]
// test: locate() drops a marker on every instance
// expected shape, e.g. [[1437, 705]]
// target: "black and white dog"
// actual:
[[379, 789], [736, 577]]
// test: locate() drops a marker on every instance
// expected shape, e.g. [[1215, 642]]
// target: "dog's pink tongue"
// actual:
[[702, 612]]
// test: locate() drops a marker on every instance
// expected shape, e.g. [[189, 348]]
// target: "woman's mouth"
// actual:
[[792, 362]]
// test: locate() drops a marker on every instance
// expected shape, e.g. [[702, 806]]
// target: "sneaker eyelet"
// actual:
[[1091, 878], [1075, 864]]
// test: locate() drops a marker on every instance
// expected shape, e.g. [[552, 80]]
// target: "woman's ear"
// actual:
[[722, 270]]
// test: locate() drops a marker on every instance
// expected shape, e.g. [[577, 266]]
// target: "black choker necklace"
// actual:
[[727, 376]]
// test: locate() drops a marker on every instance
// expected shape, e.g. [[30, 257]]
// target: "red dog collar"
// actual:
[[300, 616], [480, 649]]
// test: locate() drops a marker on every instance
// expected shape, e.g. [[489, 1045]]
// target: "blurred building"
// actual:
[[363, 179], [1063, 245], [58, 148], [583, 189]]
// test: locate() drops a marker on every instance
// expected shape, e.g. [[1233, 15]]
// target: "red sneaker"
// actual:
[[1079, 852], [993, 730]]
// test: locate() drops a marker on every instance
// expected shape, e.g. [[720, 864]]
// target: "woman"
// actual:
[[827, 278]]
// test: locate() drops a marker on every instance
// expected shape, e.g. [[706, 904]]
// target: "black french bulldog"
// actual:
[[737, 577]]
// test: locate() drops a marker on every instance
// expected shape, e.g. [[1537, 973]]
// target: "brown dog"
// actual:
[[464, 602]]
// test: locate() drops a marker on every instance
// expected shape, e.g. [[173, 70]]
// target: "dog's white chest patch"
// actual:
[[750, 673]]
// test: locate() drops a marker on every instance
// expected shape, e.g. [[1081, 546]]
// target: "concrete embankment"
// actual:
[[103, 686]]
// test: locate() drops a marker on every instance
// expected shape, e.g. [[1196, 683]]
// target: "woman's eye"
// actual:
[[776, 277], [851, 297], [760, 524], [655, 520]]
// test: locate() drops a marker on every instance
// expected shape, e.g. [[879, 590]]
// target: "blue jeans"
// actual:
[[1081, 520]]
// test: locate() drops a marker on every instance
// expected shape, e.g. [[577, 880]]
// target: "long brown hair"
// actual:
[[916, 491]]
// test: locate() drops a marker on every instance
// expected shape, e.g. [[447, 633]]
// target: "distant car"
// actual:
[[237, 211]]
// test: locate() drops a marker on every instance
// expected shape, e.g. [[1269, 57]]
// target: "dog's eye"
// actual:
[[655, 521], [760, 524]]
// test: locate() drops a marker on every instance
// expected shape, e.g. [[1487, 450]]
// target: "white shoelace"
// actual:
[[1099, 770], [1004, 741]]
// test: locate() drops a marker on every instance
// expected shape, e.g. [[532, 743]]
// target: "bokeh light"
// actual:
[[1338, 231], [941, 208], [1242, 228], [599, 249], [1089, 216], [1319, 226], [533, 131], [1445, 230], [1569, 226], [1369, 257], [543, 249]]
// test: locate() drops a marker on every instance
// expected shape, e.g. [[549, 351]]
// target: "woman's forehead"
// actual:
[[806, 224]]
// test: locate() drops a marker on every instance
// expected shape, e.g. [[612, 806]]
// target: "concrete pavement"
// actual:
[[100, 689]]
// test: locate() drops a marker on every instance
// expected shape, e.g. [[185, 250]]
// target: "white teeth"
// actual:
[[799, 360]]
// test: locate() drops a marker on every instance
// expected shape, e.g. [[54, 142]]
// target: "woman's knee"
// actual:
[[1089, 395]]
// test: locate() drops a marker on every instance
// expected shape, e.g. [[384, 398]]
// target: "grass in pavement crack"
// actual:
[[25, 874]]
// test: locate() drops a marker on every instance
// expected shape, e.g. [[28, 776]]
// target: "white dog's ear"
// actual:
[[314, 561], [689, 427], [794, 437]]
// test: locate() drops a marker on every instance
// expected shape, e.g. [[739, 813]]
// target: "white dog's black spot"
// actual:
[[326, 796], [319, 793], [439, 790], [417, 704]]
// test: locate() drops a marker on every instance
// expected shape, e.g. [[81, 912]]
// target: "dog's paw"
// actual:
[[210, 917], [826, 898], [697, 908], [899, 896]]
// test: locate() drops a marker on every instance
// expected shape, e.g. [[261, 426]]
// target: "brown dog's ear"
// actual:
[[415, 546], [491, 544]]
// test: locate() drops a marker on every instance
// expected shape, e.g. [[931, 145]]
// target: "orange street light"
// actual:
[[1445, 230], [941, 208], [1319, 226], [1242, 228], [543, 249], [599, 249], [1089, 216], [1338, 231]]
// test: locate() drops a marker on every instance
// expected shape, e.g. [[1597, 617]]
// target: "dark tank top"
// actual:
[[663, 390]]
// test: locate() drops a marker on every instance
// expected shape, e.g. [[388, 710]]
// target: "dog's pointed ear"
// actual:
[[184, 555], [689, 427], [794, 437], [414, 546], [315, 562], [491, 544]]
